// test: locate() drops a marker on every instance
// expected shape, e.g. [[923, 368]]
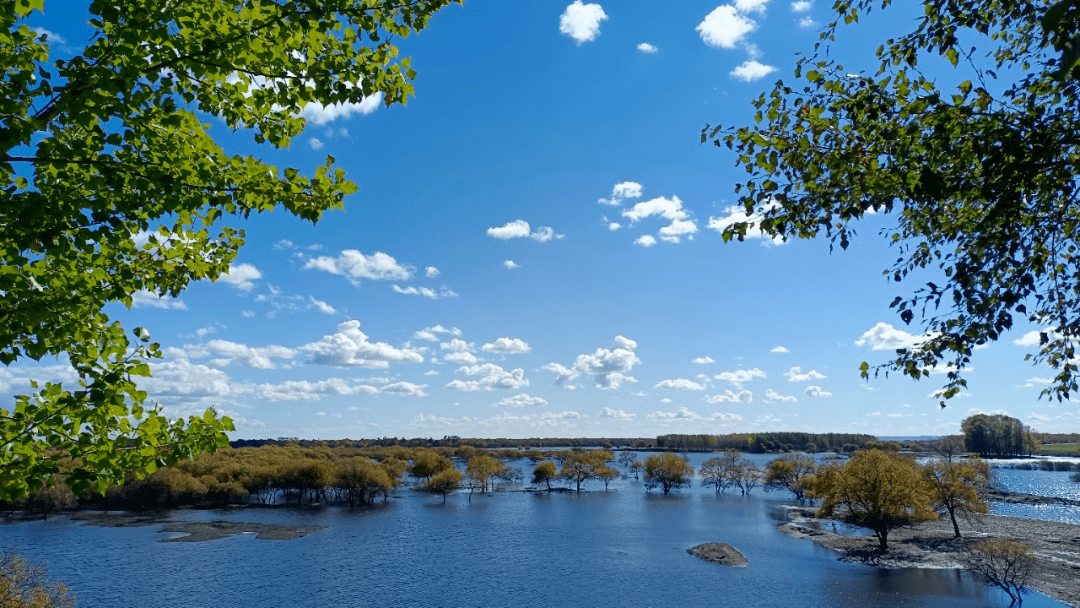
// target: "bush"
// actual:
[[1002, 563], [23, 585]]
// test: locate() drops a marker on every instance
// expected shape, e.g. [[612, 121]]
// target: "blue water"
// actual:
[[1040, 483], [621, 547]]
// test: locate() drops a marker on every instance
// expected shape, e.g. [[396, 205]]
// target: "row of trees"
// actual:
[[759, 443], [996, 435]]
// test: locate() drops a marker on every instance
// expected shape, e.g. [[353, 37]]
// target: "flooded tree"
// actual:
[[667, 471], [443, 482], [876, 490], [545, 472], [1003, 563], [790, 473]]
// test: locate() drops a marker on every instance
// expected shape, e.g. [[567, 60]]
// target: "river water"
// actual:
[[620, 547]]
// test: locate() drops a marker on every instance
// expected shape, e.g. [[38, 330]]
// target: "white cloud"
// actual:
[[431, 272], [318, 114], [622, 191], [807, 22], [258, 357], [582, 21], [725, 27], [322, 306], [315, 143], [681, 384], [795, 375], [520, 229], [52, 36], [431, 334], [751, 6], [645, 240], [816, 391], [462, 357], [284, 244], [1032, 337], [458, 346], [801, 6], [354, 266], [613, 226], [146, 299], [507, 346], [671, 209], [521, 400], [405, 388], [241, 276], [305, 390], [736, 214], [609, 367], [772, 396], [350, 347], [426, 292], [492, 377], [683, 413], [884, 336], [511, 264], [645, 47], [703, 360], [729, 396], [779, 349], [608, 412], [740, 376], [750, 70]]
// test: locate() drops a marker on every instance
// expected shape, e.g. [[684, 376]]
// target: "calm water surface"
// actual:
[[621, 547]]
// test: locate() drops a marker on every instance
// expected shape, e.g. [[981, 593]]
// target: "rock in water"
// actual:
[[719, 553]]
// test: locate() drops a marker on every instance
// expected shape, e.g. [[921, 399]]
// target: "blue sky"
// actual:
[[534, 251]]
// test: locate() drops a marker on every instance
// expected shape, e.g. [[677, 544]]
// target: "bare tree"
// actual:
[[1002, 563]]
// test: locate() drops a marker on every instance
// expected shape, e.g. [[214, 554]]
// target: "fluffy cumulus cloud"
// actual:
[[779, 349], [772, 396], [621, 192], [609, 367], [146, 299], [884, 336], [355, 266], [306, 390], [740, 376], [726, 26], [431, 334], [407, 389], [491, 376], [521, 400], [511, 264], [801, 6], [751, 70], [431, 272], [582, 21], [519, 229], [646, 240], [730, 396], [703, 360], [1034, 337], [645, 47], [680, 384], [795, 374], [227, 352], [736, 214], [669, 209], [683, 413], [608, 412], [816, 391], [507, 346], [315, 143], [241, 276], [318, 114], [349, 347], [48, 36]]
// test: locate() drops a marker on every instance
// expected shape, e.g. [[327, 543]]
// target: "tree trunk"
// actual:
[[955, 527], [883, 539]]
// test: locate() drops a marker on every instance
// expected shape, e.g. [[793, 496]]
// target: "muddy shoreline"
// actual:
[[933, 545]]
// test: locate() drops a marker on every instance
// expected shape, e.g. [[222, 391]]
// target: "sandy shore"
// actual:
[[933, 545], [196, 531]]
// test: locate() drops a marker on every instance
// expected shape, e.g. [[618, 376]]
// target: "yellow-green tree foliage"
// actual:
[[23, 585], [443, 482], [480, 470], [956, 487], [874, 489], [668, 471], [545, 472], [362, 480], [104, 147], [790, 473], [578, 467], [427, 463]]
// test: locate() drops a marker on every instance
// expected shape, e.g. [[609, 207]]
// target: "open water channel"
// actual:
[[620, 547]]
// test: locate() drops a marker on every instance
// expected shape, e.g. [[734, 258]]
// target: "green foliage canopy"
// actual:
[[111, 184], [976, 172]]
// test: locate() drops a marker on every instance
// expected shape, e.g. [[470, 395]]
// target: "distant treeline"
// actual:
[[451, 441], [766, 442]]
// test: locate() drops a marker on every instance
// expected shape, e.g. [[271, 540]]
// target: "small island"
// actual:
[[719, 553]]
